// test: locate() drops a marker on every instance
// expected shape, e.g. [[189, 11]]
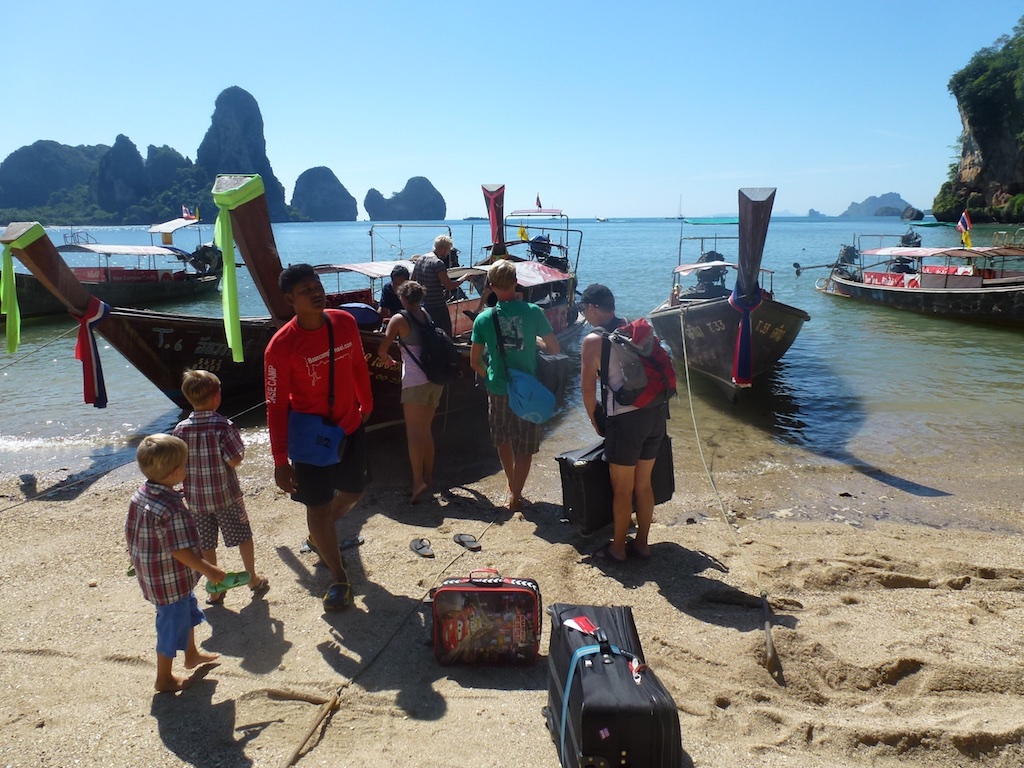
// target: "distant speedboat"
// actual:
[[601, 218], [731, 336], [981, 284]]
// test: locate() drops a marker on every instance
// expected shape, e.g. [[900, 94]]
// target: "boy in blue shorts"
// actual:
[[163, 542], [214, 496]]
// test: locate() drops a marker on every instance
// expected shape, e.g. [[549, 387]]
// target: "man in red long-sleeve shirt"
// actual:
[[296, 377]]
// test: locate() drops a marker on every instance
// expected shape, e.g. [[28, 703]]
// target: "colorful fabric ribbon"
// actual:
[[743, 359], [94, 387], [224, 239], [9, 301]]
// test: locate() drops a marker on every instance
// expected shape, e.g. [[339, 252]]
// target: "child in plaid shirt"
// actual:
[[214, 496], [164, 546]]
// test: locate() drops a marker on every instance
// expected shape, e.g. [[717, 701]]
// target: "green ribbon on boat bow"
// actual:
[[223, 237], [8, 286]]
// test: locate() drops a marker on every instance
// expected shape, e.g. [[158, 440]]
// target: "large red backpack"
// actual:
[[649, 377]]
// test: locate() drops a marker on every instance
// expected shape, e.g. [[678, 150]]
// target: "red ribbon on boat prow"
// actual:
[[94, 388]]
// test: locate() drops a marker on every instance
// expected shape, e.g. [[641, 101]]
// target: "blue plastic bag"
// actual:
[[528, 398]]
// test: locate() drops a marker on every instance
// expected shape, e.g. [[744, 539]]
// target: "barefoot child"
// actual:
[[214, 496], [164, 546]]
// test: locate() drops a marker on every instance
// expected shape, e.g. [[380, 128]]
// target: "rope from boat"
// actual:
[[400, 248], [73, 329], [335, 700], [64, 486], [771, 658]]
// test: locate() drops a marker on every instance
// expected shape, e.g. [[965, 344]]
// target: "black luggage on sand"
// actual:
[[605, 707], [587, 486]]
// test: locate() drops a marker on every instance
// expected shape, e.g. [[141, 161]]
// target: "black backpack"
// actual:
[[439, 358]]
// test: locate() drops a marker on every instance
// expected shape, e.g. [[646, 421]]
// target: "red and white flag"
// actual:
[[538, 201], [186, 213]]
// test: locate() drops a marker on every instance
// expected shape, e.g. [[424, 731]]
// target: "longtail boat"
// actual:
[[731, 336], [983, 284], [162, 345], [128, 275]]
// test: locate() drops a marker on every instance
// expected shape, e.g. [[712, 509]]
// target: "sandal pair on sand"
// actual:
[[217, 589], [422, 546], [605, 553]]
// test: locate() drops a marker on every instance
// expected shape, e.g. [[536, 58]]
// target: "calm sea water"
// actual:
[[861, 384]]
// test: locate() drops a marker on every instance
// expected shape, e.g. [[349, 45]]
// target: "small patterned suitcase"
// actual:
[[486, 618]]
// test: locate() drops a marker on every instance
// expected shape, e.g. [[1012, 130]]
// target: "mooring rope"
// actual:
[[771, 660], [73, 329]]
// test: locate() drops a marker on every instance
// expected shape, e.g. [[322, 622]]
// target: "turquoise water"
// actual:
[[859, 385]]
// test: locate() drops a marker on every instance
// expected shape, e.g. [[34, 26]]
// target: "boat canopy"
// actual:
[[103, 249], [172, 226], [686, 269], [535, 212], [528, 273], [959, 253], [372, 269]]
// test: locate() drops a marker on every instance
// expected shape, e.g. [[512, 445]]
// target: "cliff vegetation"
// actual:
[[988, 178]]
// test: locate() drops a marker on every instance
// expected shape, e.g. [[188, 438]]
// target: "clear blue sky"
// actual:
[[601, 108]]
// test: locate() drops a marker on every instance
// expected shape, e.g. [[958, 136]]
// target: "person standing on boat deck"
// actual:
[[296, 378], [389, 303], [430, 272], [632, 435], [420, 396], [521, 324]]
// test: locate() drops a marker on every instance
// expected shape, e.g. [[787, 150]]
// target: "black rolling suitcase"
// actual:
[[605, 707], [587, 486]]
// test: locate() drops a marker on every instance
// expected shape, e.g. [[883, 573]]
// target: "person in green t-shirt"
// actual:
[[524, 328]]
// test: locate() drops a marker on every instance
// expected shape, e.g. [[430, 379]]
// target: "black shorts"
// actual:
[[317, 485], [634, 435]]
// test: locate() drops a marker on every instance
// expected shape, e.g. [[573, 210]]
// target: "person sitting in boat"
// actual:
[[389, 303], [430, 272]]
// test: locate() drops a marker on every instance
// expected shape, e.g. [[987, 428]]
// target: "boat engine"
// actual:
[[206, 259], [910, 239], [711, 275]]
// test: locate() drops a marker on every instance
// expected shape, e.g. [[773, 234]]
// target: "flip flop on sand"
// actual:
[[633, 551], [347, 543], [467, 540], [421, 547], [259, 587], [339, 596], [605, 553], [231, 580]]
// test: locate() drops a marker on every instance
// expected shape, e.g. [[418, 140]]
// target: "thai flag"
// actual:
[[964, 225], [186, 213]]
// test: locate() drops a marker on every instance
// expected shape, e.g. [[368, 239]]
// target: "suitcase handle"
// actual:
[[477, 574], [606, 647]]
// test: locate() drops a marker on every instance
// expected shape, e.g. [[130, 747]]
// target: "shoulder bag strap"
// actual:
[[409, 319], [330, 369], [501, 339], [606, 354]]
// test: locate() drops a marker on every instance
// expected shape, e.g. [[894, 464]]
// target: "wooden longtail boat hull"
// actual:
[[999, 305], [707, 332], [162, 345], [35, 300], [710, 329]]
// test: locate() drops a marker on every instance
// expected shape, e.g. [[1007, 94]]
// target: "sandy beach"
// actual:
[[897, 627]]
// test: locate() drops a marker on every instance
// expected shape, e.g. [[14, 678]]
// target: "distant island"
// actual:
[[99, 185]]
